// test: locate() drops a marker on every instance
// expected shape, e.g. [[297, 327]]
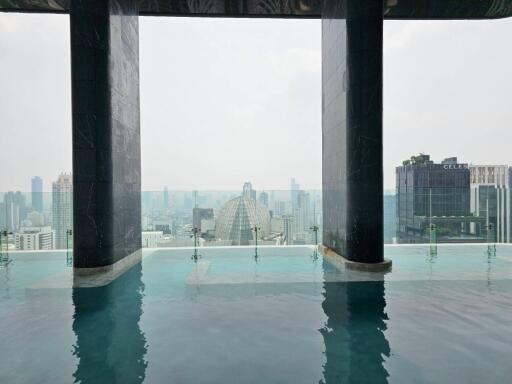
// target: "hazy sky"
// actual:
[[225, 101]]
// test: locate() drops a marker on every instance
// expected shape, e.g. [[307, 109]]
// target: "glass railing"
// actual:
[[478, 214], [170, 219], [36, 221], [69, 247], [231, 218], [4, 248]]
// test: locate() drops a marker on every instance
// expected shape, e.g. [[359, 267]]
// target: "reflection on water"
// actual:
[[355, 344], [110, 346]]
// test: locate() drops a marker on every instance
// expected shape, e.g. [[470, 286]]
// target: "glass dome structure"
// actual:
[[238, 216]]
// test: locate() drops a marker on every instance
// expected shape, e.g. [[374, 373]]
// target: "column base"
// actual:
[[101, 276], [384, 266]]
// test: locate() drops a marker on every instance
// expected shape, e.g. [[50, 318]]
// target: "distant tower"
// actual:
[[302, 212], [248, 191], [279, 207], [37, 194], [294, 191], [62, 209], [288, 230], [14, 210], [166, 198], [263, 198]]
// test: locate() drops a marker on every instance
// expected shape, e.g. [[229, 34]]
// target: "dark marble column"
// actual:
[[352, 129], [106, 131]]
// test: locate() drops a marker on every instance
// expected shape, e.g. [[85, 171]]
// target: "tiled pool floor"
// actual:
[[287, 318]]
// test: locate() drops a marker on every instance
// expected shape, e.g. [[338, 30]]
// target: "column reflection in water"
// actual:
[[110, 346], [355, 343]]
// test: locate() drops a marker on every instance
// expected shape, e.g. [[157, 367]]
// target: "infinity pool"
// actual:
[[289, 316]]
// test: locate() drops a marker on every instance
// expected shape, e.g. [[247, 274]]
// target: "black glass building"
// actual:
[[434, 195]]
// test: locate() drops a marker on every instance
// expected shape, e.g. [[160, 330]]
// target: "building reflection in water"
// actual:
[[110, 346], [355, 344]]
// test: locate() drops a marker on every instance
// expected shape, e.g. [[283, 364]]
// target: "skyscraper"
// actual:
[[294, 191], [199, 214], [62, 209], [166, 198], [490, 199], [434, 194], [37, 194], [14, 210], [303, 211], [288, 229], [248, 192], [279, 207], [3, 224], [263, 198]]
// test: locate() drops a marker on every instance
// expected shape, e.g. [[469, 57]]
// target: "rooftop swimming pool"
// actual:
[[289, 316]]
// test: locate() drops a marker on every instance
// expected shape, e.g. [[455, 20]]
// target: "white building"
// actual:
[[490, 198], [62, 209], [497, 175], [34, 238]]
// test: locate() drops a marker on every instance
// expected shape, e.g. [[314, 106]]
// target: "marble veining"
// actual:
[[352, 129], [392, 9], [106, 131]]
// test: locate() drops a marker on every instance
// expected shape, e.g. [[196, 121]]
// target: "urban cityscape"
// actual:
[[451, 202], [443, 202], [43, 221]]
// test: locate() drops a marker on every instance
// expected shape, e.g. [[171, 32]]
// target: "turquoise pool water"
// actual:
[[288, 318]]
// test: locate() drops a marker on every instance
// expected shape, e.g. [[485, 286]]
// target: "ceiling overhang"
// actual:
[[394, 9]]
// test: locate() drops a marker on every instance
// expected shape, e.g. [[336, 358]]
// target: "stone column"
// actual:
[[106, 133], [352, 129]]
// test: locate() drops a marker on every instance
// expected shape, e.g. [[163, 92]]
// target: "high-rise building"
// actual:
[[389, 218], [279, 207], [36, 219], [490, 199], [37, 194], [162, 224], [263, 198], [288, 229], [10, 212], [14, 210], [34, 238], [434, 194], [302, 213], [200, 214], [166, 198], [247, 191], [294, 191], [62, 209], [3, 224]]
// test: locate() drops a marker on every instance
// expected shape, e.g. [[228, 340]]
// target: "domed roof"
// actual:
[[238, 216]]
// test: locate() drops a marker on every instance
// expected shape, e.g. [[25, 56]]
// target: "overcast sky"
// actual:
[[226, 101]]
